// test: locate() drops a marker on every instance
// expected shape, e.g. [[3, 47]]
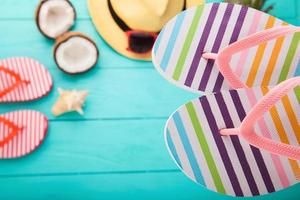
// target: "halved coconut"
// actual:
[[75, 53], [55, 17]]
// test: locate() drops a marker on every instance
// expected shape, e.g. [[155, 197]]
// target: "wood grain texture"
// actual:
[[96, 146], [117, 149], [145, 186], [22, 38], [118, 93]]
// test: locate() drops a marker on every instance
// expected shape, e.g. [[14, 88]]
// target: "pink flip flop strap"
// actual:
[[223, 58], [18, 82], [15, 130], [246, 129]]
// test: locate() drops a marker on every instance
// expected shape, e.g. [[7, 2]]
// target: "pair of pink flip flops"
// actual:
[[242, 138], [22, 80]]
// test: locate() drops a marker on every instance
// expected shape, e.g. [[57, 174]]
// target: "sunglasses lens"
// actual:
[[141, 42]]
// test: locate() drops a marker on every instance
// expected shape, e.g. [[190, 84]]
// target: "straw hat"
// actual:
[[131, 26]]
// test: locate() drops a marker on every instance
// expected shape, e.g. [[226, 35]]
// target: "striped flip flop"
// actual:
[[216, 47], [21, 132], [254, 159], [23, 79]]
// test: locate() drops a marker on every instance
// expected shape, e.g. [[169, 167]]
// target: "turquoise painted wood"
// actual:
[[116, 151]]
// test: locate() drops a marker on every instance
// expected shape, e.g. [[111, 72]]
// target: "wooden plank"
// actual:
[[118, 93], [164, 186], [287, 9], [23, 39], [283, 9], [298, 13], [113, 186], [25, 9], [96, 146]]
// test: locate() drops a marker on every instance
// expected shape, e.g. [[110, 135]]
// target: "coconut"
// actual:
[[75, 53], [55, 17]]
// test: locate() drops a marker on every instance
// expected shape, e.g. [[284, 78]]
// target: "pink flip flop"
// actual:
[[23, 79], [241, 142], [221, 46], [21, 132]]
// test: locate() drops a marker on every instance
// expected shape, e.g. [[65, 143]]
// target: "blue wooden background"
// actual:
[[117, 150]]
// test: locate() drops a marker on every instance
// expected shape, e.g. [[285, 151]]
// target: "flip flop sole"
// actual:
[[27, 140], [228, 164], [28, 69], [177, 53]]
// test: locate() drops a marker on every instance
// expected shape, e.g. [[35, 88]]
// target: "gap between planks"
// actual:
[[90, 173], [111, 119]]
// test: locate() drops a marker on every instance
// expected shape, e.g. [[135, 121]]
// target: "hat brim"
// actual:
[[111, 32]]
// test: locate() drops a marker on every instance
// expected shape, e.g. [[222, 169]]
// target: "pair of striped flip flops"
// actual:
[[242, 138], [22, 80]]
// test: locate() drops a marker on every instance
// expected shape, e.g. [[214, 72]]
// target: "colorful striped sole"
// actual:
[[35, 126], [177, 54], [228, 164]]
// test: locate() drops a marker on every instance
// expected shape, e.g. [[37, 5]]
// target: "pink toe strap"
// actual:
[[14, 131], [246, 129], [223, 58], [18, 81]]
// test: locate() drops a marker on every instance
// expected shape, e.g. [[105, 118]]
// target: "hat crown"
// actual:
[[146, 15], [157, 7]]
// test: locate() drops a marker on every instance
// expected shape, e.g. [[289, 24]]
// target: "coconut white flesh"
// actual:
[[56, 17], [76, 55]]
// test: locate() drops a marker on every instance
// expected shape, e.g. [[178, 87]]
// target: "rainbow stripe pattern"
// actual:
[[177, 53], [228, 164]]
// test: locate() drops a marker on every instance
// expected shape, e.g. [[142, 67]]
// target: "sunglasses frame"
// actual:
[[129, 33]]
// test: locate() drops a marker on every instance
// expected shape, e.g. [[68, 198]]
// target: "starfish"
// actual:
[[68, 101]]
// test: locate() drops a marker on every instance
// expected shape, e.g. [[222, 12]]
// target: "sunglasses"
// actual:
[[140, 41]]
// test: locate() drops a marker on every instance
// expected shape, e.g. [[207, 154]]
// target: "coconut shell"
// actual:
[[65, 37], [37, 16]]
